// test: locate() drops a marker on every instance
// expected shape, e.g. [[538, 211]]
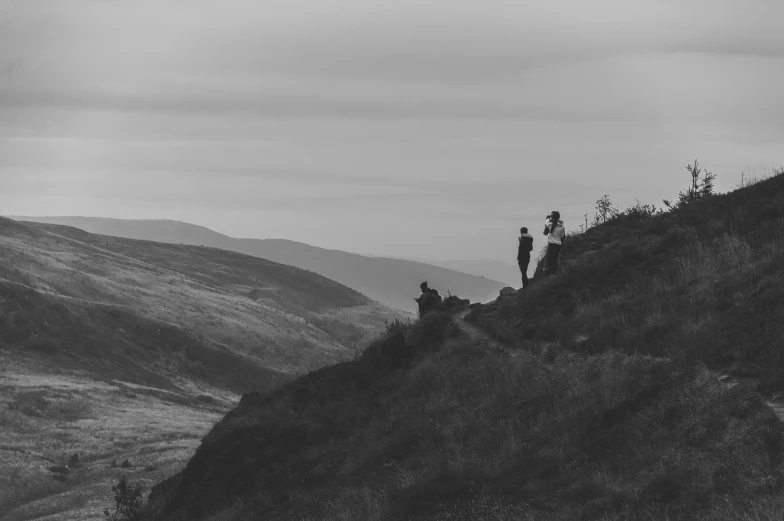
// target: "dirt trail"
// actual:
[[478, 335]]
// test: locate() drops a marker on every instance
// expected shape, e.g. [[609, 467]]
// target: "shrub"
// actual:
[[390, 351], [699, 187], [430, 330], [73, 462], [453, 330], [126, 464], [455, 302], [127, 501], [641, 211], [605, 211]]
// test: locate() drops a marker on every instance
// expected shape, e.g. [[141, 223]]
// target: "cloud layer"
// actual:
[[425, 128]]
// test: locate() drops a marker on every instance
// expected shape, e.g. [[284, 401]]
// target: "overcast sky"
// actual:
[[425, 128]]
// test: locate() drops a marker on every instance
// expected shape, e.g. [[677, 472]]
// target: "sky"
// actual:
[[424, 128]]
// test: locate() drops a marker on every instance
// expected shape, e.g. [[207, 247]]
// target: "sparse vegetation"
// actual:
[[128, 501], [700, 187], [38, 477], [73, 461], [605, 211]]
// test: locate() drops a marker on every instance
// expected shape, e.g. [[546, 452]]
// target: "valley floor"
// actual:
[[46, 417]]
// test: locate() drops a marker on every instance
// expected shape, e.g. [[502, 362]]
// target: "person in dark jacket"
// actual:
[[427, 300], [556, 234], [524, 253]]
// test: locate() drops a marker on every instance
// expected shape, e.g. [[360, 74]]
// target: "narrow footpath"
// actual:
[[480, 336]]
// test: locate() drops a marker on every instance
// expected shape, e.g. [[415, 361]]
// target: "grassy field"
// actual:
[[638, 384]]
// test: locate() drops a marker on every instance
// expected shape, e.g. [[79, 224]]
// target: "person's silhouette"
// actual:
[[524, 253], [427, 299], [556, 233]]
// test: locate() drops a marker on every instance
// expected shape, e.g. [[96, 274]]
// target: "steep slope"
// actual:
[[702, 283], [594, 400], [392, 282]]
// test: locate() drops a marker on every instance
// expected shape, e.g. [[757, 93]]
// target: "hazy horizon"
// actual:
[[427, 129], [363, 253]]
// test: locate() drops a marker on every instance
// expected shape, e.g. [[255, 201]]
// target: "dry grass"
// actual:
[[612, 408], [46, 418], [65, 267], [463, 433]]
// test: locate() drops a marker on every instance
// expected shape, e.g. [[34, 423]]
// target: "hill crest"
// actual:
[[391, 282]]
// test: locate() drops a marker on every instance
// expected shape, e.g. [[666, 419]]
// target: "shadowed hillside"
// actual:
[[595, 395], [703, 283], [392, 282]]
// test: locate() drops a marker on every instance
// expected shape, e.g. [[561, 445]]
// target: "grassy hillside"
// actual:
[[55, 264], [109, 384], [592, 396], [703, 283], [118, 350], [392, 282], [347, 316]]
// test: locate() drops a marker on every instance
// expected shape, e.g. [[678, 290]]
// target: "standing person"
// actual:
[[556, 233], [524, 253]]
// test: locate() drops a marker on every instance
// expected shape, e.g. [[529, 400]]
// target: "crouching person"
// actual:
[[428, 300]]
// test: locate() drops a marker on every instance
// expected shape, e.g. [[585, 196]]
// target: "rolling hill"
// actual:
[[59, 265], [641, 383], [348, 316], [115, 349], [392, 282]]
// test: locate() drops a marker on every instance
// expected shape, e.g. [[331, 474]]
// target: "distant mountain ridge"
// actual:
[[392, 282]]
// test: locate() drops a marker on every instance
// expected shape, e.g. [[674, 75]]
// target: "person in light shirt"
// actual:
[[556, 233]]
